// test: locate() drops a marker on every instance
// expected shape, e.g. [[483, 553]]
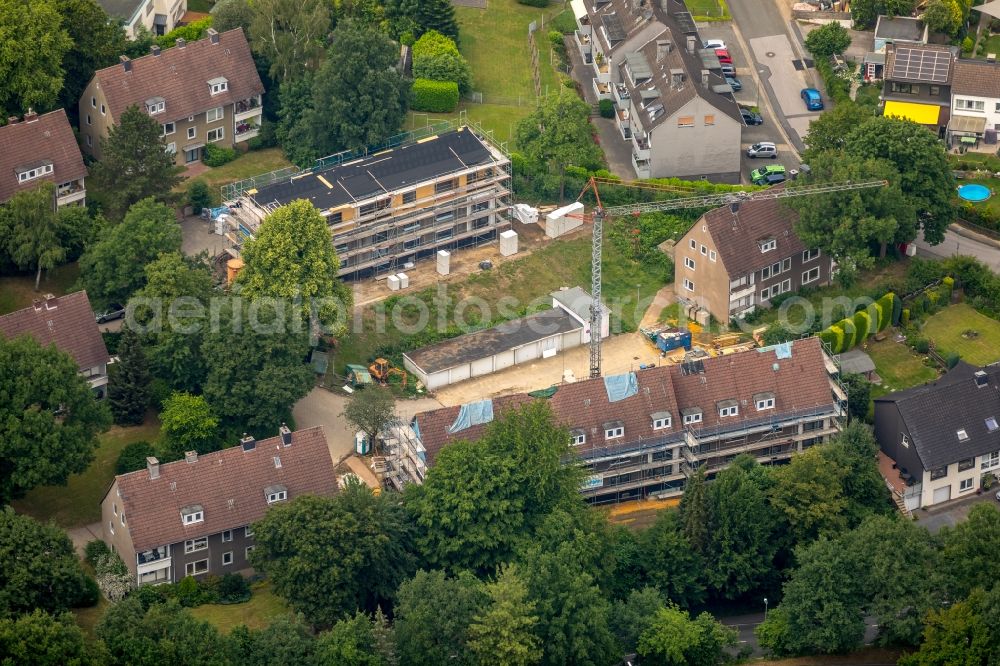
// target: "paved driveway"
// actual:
[[958, 240], [952, 513], [778, 65]]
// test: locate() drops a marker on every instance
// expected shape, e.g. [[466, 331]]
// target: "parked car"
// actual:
[[751, 117], [734, 83], [112, 312], [714, 44], [768, 175], [763, 149], [724, 57], [728, 69], [812, 98]]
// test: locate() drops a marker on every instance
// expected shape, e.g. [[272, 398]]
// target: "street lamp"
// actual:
[[765, 609]]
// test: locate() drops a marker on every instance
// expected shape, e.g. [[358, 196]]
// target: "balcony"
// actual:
[[585, 46], [601, 89], [621, 93], [641, 166], [246, 130], [154, 556], [70, 192], [622, 120], [640, 147], [740, 292], [248, 108]]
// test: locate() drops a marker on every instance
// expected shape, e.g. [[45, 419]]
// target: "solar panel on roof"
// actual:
[[685, 22], [915, 64]]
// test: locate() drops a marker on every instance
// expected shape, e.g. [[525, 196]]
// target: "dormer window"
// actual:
[[768, 245], [661, 420], [614, 430], [192, 514], [276, 493], [31, 173], [728, 408], [691, 415], [218, 85], [155, 105], [763, 401], [577, 437]]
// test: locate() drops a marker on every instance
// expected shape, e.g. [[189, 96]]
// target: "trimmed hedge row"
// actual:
[[434, 96], [854, 330]]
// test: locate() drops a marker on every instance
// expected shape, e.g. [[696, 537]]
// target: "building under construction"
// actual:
[[425, 193]]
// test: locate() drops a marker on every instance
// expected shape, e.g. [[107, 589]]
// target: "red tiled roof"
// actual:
[[180, 76], [47, 138], [66, 322], [800, 383], [228, 485]]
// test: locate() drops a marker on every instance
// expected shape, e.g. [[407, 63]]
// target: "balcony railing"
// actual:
[[246, 130], [69, 188], [248, 105], [154, 555]]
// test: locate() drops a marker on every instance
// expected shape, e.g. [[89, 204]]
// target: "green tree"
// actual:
[[970, 549], [433, 613], [829, 131], [864, 12], [325, 578], [856, 451], [230, 14], [133, 457], [371, 411], [77, 229], [128, 381], [289, 34], [670, 563], [164, 633], [31, 65], [285, 641], [436, 15], [904, 143], [558, 135], [828, 40], [807, 494], [859, 395], [349, 642], [257, 368], [135, 147], [188, 424], [113, 268], [49, 419], [674, 639], [939, 16], [292, 257], [504, 633], [633, 615], [959, 634], [39, 568], [198, 195], [694, 511], [96, 42], [40, 639], [437, 58], [33, 240]]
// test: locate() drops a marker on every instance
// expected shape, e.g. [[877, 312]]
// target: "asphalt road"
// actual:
[[964, 242], [746, 624]]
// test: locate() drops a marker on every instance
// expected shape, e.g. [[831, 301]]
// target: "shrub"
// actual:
[[187, 592], [948, 284], [233, 589], [917, 307], [216, 156], [436, 57], [191, 32], [133, 457], [952, 359], [607, 108], [921, 345], [833, 337], [904, 319], [407, 38], [862, 327], [850, 334], [94, 550], [967, 45], [534, 3], [89, 594], [837, 88], [198, 195], [435, 96]]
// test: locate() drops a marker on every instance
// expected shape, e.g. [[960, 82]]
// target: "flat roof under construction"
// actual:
[[387, 171]]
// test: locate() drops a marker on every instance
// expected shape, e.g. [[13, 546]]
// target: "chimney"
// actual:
[[248, 442], [691, 42], [30, 116], [155, 49], [51, 302], [981, 379], [704, 77], [286, 435], [213, 34], [153, 465], [181, 42], [37, 304], [13, 120], [662, 49], [191, 456], [126, 63]]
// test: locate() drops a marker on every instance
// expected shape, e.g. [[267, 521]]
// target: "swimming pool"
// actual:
[[974, 192]]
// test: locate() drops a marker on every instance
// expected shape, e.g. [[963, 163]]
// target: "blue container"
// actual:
[[674, 338]]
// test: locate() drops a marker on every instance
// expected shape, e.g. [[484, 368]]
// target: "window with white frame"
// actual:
[[786, 286], [111, 525], [965, 485], [704, 250], [192, 515], [694, 244], [990, 460], [768, 245], [765, 403], [90, 141], [277, 496], [195, 568], [192, 132], [156, 107], [216, 134], [962, 434], [966, 464], [31, 174], [661, 422], [729, 410], [765, 294], [227, 536], [104, 110], [765, 273], [248, 531], [786, 264], [688, 284], [712, 255], [969, 104], [213, 114], [775, 268], [93, 102], [809, 255], [247, 552], [123, 518], [578, 438], [170, 148], [692, 417], [689, 263], [194, 545], [810, 275], [89, 122], [114, 508], [614, 431], [218, 85], [168, 128], [905, 441], [227, 558]]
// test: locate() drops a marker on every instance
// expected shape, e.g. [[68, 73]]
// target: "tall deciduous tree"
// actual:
[[670, 563], [970, 550], [113, 268], [77, 230], [162, 634], [808, 496], [289, 34], [673, 638], [34, 240], [633, 615], [134, 165], [694, 511], [352, 641], [97, 41], [504, 633], [856, 451], [41, 639], [230, 14], [830, 130], [286, 641], [38, 568], [188, 425], [433, 613], [827, 40], [371, 411], [292, 258], [325, 578], [964, 633], [49, 419], [558, 134], [128, 381], [31, 62]]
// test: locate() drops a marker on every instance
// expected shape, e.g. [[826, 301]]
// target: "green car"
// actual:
[[768, 175]]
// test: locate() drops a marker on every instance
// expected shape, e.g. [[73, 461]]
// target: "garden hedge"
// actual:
[[435, 96], [862, 327], [833, 337], [850, 334]]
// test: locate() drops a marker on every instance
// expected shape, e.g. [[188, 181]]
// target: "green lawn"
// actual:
[[87, 618], [17, 291], [993, 203], [262, 609], [898, 366], [711, 8], [502, 120], [252, 163], [959, 328], [78, 502]]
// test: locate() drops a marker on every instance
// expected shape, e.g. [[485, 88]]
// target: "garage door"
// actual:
[[526, 353], [483, 366], [942, 494], [503, 360], [458, 373]]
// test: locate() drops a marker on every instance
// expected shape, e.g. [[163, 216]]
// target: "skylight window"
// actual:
[[962, 435], [991, 424]]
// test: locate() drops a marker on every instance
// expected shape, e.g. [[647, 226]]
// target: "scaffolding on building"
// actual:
[[405, 459]]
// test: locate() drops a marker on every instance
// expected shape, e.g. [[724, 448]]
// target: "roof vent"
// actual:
[[181, 42], [286, 435], [704, 77], [213, 35], [30, 116], [51, 302], [981, 378], [191, 456], [153, 465], [13, 120], [126, 63], [248, 442], [37, 304], [155, 49], [691, 42]]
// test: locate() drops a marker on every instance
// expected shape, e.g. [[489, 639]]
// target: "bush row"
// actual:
[[837, 88], [216, 156], [190, 592], [434, 96], [855, 329]]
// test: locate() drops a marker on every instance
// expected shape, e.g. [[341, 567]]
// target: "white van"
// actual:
[[763, 149]]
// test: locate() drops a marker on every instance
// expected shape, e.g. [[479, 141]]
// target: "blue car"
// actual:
[[812, 98]]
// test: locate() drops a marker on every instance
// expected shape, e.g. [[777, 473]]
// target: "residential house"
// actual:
[[975, 105], [38, 148], [671, 102], [195, 517], [901, 30], [157, 16], [641, 434], [917, 84], [736, 258], [395, 206], [68, 323], [939, 441], [204, 92]]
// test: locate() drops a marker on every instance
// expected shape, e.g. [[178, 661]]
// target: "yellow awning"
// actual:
[[922, 114]]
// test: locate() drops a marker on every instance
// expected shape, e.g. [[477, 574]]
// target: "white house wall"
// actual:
[[990, 110], [699, 150]]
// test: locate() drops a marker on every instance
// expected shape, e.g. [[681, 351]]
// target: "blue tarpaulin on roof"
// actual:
[[216, 212], [784, 350], [473, 413], [620, 387]]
